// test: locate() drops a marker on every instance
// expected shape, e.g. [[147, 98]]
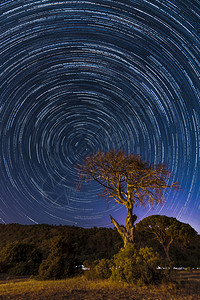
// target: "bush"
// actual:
[[89, 272], [60, 263], [129, 265], [103, 269], [136, 266], [99, 269], [189, 269]]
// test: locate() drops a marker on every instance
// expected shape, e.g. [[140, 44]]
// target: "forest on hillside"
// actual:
[[30, 249]]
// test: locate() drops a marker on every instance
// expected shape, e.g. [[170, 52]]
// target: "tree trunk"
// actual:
[[121, 229], [166, 249], [127, 233], [167, 253]]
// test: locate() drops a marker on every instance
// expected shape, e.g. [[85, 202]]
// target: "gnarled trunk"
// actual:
[[127, 233]]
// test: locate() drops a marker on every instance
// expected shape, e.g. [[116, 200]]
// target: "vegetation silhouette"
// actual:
[[41, 250], [166, 230]]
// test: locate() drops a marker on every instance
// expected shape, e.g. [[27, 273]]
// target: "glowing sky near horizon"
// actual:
[[82, 76]]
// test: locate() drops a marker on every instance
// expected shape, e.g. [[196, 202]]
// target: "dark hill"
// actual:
[[92, 243]]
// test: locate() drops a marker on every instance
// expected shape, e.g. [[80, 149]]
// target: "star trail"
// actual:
[[82, 76]]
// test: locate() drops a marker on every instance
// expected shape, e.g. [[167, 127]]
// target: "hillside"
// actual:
[[93, 243]]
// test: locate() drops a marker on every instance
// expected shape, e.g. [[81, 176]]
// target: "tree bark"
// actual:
[[127, 233], [130, 221], [121, 229]]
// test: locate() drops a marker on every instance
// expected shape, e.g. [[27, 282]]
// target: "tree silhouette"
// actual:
[[129, 181], [166, 230]]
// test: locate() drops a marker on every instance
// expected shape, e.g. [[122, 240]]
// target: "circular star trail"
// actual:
[[82, 76]]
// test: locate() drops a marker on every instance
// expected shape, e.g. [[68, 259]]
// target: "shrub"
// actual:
[[89, 272], [103, 269], [136, 266], [99, 269]]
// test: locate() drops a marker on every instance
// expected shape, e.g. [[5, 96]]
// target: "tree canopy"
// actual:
[[129, 180], [166, 230]]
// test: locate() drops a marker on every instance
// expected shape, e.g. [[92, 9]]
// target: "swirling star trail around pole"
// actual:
[[82, 76]]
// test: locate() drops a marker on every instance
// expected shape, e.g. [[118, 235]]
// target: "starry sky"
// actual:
[[81, 76]]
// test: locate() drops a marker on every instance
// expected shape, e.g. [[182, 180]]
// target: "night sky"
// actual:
[[82, 76]]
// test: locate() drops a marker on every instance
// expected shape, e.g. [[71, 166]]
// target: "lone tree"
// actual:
[[166, 230], [129, 181]]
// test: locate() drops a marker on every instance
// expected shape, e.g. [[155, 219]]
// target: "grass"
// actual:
[[188, 287]]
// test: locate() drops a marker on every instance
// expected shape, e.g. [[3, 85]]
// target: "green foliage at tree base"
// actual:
[[99, 269], [136, 266], [129, 265]]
